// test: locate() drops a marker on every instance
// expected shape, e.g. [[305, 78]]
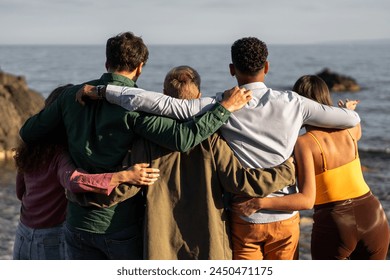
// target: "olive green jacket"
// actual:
[[186, 215]]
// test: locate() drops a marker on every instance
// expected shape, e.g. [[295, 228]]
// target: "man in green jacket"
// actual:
[[99, 137]]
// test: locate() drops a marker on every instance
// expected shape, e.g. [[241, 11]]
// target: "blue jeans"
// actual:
[[39, 244], [122, 245]]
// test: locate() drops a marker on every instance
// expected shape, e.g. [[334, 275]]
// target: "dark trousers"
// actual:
[[351, 229], [123, 245]]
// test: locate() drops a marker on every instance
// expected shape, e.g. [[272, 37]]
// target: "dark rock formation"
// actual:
[[17, 104], [337, 82]]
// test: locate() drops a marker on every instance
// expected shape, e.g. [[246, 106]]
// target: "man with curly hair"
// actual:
[[263, 134], [185, 217]]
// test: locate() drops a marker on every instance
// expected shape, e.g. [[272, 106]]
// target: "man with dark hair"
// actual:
[[185, 214], [100, 135], [263, 134], [249, 55]]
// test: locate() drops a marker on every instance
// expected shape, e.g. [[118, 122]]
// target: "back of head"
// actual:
[[182, 82], [313, 87], [32, 157], [125, 52], [249, 55]]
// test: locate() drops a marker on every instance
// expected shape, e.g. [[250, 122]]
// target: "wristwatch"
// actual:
[[100, 90]]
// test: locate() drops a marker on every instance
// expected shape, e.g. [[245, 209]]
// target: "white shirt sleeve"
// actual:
[[136, 99], [320, 115]]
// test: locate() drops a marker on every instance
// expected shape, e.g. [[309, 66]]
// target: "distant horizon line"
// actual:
[[336, 42]]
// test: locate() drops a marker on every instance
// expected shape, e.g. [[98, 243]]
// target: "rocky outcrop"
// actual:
[[337, 82], [17, 104]]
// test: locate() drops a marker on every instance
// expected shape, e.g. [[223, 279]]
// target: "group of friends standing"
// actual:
[[126, 173]]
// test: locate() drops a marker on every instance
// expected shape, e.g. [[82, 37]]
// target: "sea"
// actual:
[[48, 66]]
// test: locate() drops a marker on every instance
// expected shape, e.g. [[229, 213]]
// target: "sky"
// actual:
[[193, 22]]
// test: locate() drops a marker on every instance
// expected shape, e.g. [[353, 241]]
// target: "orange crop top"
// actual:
[[340, 183]]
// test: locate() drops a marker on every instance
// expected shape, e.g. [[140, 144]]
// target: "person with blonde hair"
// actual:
[[182, 82], [186, 216]]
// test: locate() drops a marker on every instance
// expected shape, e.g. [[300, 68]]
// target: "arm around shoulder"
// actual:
[[40, 125], [257, 182], [181, 136], [320, 115], [133, 99]]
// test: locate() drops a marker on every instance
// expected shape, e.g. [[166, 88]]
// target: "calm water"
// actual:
[[46, 67]]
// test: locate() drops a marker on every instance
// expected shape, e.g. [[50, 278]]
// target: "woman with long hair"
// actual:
[[349, 221], [44, 169]]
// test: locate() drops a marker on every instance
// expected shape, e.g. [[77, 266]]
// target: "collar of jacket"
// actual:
[[116, 79]]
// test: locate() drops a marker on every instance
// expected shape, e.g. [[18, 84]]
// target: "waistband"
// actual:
[[342, 202], [33, 231]]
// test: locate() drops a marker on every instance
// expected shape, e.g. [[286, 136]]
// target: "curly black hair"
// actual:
[[249, 55]]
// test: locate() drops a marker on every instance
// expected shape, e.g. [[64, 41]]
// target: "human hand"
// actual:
[[138, 174], [349, 104], [87, 91], [246, 206], [236, 98]]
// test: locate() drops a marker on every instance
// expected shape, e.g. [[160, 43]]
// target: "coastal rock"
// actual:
[[17, 104], [337, 82]]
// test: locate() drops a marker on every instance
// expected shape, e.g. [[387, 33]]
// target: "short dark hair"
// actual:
[[249, 55], [125, 52], [314, 88]]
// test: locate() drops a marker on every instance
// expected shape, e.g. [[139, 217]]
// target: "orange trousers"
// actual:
[[270, 241]]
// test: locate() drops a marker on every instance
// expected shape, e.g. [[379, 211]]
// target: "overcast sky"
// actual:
[[193, 22]]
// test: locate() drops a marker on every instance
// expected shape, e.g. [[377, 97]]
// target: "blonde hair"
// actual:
[[182, 82]]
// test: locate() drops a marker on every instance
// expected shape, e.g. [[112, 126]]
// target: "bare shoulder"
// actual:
[[356, 132], [304, 141], [303, 153], [306, 147]]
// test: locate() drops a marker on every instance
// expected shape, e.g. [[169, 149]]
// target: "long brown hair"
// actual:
[[314, 88], [34, 157]]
